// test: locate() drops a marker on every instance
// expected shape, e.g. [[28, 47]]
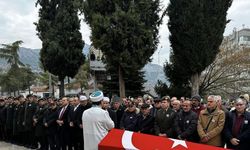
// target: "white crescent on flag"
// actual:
[[127, 141]]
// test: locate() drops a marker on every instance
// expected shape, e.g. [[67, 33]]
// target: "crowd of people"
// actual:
[[78, 122]]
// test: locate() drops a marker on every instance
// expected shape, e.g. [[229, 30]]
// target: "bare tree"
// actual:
[[229, 73]]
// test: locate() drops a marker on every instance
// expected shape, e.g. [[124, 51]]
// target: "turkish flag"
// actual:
[[121, 139]]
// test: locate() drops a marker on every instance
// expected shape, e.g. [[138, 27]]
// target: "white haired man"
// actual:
[[210, 123]]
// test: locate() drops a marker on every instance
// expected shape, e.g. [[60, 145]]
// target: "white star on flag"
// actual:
[[178, 142]]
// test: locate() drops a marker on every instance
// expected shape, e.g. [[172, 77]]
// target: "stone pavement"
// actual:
[[8, 146]]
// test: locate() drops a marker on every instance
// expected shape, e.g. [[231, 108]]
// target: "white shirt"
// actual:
[[76, 107], [96, 124]]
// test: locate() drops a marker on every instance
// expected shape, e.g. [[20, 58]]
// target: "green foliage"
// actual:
[[125, 30], [10, 53], [43, 79], [17, 79], [58, 28], [82, 76], [196, 29], [133, 81], [163, 89]]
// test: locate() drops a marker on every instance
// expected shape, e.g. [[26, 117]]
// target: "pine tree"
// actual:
[[196, 29], [126, 31], [58, 28]]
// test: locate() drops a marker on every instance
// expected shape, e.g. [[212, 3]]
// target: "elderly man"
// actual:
[[186, 123], [106, 106], [211, 122], [96, 122], [237, 128], [176, 104]]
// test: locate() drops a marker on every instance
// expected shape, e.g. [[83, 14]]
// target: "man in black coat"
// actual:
[[237, 127], [21, 123], [186, 123], [76, 131], [145, 122], [9, 119], [40, 132], [164, 120], [118, 109], [106, 106], [49, 121], [29, 112], [16, 136], [129, 118], [63, 125], [156, 107]]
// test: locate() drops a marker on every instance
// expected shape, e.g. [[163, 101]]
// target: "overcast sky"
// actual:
[[17, 18]]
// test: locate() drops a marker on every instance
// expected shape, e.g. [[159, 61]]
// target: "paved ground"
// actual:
[[8, 146]]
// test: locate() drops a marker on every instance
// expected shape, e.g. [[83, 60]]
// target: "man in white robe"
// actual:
[[96, 122]]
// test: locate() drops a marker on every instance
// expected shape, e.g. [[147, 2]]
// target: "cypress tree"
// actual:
[[196, 32], [126, 31], [58, 28]]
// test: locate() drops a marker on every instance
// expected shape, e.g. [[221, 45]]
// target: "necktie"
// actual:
[[61, 113]]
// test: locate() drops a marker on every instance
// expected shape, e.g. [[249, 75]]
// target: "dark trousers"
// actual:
[[43, 142], [9, 135], [77, 139], [2, 133], [63, 139], [52, 141]]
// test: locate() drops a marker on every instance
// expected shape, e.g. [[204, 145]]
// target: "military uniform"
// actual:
[[30, 110], [40, 131], [164, 122], [9, 121]]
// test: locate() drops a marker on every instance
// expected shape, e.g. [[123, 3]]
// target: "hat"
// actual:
[[197, 97], [116, 99], [165, 98], [106, 99], [83, 98], [41, 99], [157, 100], [144, 106], [96, 96]]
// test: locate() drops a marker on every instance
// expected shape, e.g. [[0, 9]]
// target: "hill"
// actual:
[[30, 57]]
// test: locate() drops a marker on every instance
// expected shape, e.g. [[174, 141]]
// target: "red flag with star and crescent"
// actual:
[[127, 140]]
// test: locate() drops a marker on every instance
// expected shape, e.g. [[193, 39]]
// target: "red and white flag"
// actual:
[[127, 140]]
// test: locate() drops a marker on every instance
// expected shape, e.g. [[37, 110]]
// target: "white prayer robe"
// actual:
[[96, 124]]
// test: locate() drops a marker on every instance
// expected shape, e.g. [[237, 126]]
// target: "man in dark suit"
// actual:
[[50, 124], [40, 132], [63, 124], [75, 115], [237, 127]]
